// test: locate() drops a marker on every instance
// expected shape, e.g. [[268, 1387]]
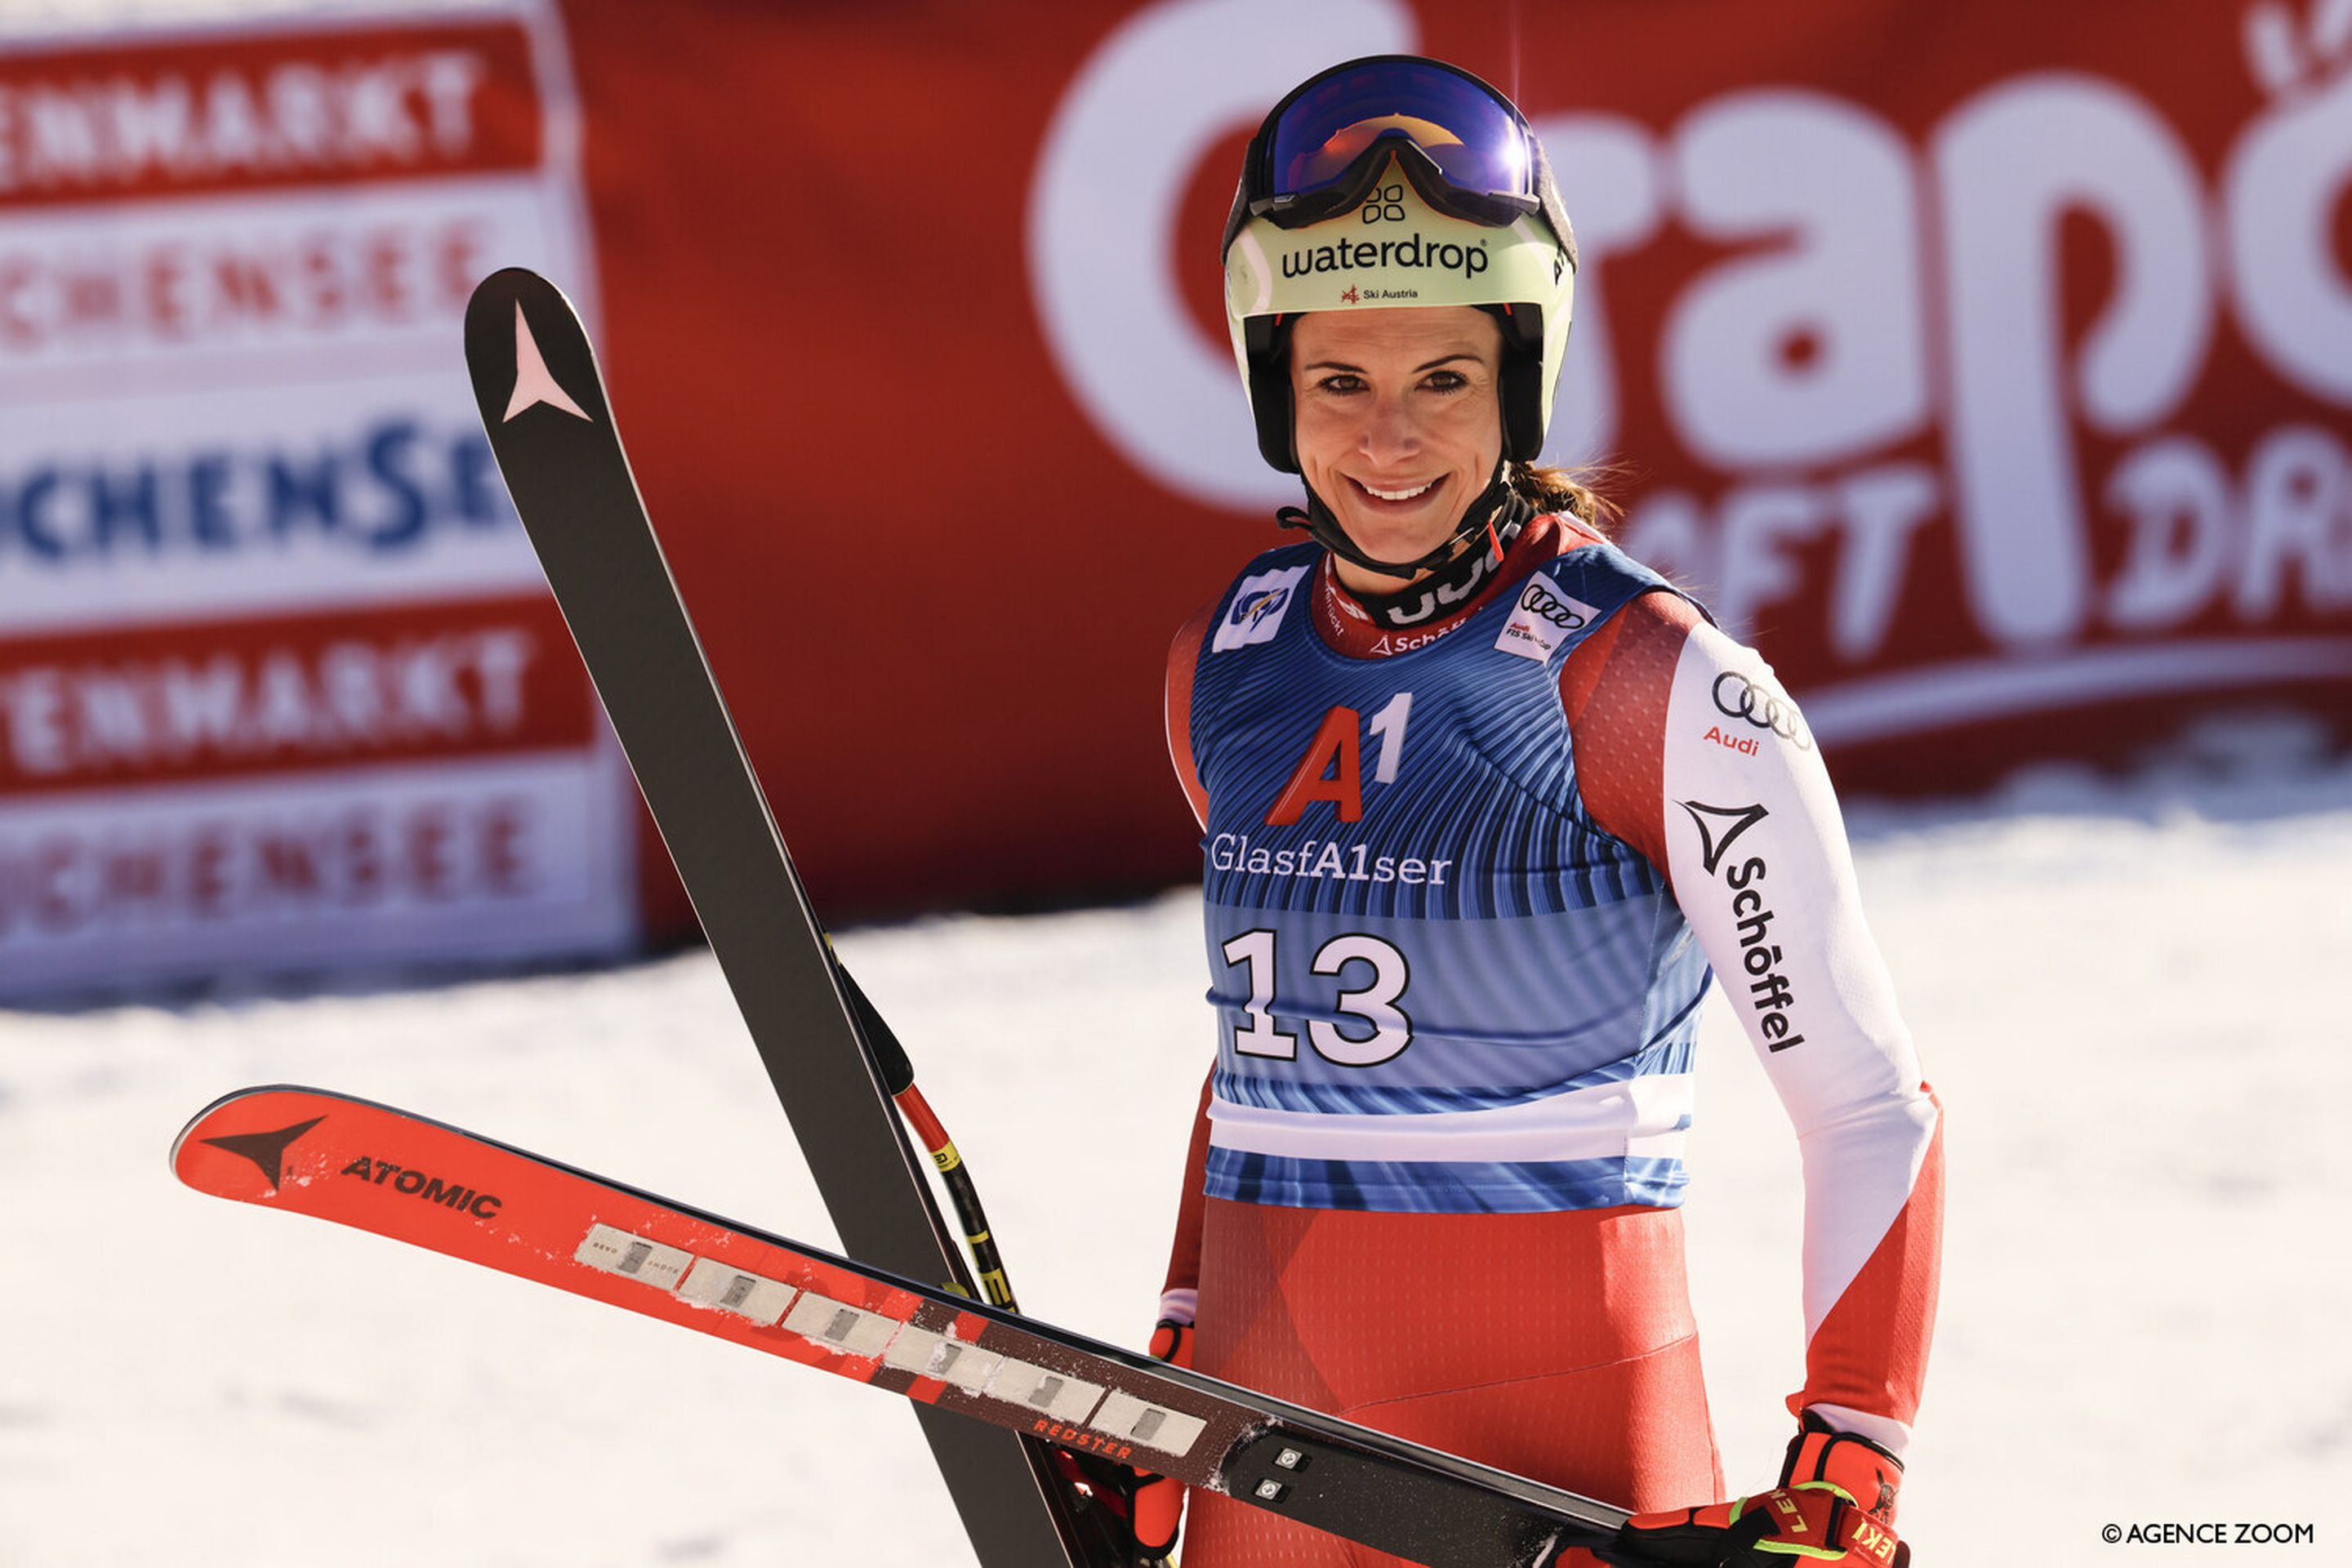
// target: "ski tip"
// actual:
[[525, 349], [508, 284], [237, 1128]]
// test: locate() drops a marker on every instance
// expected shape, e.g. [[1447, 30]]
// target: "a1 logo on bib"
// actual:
[[1543, 619], [1259, 605]]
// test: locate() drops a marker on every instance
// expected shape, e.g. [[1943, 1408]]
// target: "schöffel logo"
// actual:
[[1769, 992], [1416, 249], [1259, 605], [1543, 619]]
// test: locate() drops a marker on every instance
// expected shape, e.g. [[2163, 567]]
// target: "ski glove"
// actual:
[[1836, 1504], [1847, 1460]]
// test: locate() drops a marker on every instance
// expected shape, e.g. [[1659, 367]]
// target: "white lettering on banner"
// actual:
[[237, 274], [218, 868], [2176, 494], [117, 130], [1613, 167], [308, 868], [2282, 192], [273, 675], [1157, 92], [1813, 348], [2289, 542], [2012, 163], [2298, 505], [1884, 287], [1870, 516], [462, 688]]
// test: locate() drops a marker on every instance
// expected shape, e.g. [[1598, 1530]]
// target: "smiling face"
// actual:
[[1399, 423]]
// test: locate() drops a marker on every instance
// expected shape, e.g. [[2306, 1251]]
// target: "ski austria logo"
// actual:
[[1259, 605], [1542, 620]]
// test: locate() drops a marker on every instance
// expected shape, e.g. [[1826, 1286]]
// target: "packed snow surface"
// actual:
[[2130, 998]]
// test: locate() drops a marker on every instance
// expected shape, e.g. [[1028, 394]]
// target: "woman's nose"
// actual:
[[1389, 430]]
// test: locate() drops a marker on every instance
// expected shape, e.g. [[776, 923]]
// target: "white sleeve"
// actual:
[[1757, 854]]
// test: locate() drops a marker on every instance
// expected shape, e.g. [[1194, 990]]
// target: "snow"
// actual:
[[2124, 994]]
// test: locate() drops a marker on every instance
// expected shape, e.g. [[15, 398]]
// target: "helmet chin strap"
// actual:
[[1498, 512]]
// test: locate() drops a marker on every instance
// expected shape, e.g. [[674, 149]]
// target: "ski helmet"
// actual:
[[1395, 180]]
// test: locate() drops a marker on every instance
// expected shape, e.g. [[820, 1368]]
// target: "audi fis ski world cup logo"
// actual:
[[1759, 703], [1565, 614], [1543, 619]]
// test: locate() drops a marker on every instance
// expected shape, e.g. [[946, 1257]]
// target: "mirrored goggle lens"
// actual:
[[1475, 140]]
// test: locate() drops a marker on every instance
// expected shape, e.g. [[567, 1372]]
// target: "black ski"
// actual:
[[423, 1182], [543, 405]]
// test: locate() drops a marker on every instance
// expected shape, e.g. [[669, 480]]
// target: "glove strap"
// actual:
[[1857, 1467]]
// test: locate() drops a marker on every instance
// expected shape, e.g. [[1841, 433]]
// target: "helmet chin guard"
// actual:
[[1317, 520]]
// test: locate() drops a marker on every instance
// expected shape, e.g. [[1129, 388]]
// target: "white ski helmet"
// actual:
[[1396, 180]]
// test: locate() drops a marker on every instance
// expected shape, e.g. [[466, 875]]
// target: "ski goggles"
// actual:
[[1467, 149]]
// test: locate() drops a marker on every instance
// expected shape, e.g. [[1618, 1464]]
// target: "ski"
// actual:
[[551, 427], [419, 1181]]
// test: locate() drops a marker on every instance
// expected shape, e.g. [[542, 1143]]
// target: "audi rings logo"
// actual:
[[1740, 698], [1540, 601]]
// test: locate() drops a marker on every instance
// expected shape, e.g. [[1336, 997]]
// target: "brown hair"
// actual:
[[1551, 489]]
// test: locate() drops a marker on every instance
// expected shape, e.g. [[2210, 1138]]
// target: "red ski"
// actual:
[[430, 1184]]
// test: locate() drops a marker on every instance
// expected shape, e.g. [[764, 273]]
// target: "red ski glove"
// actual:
[[1847, 1460], [1158, 1506], [1836, 1504]]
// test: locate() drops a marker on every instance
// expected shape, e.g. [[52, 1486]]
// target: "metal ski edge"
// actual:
[[1303, 1464]]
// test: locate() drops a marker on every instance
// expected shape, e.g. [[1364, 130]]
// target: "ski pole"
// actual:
[[899, 1081]]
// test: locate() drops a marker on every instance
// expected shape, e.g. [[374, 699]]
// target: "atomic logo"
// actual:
[[1349, 296], [266, 1150], [534, 382]]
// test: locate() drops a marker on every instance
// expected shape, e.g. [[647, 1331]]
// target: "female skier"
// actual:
[[1484, 801]]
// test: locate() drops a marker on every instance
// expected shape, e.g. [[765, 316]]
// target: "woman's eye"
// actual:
[[1448, 381], [1342, 384]]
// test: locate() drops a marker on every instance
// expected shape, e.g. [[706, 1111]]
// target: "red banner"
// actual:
[[1989, 370], [207, 116], [183, 703]]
